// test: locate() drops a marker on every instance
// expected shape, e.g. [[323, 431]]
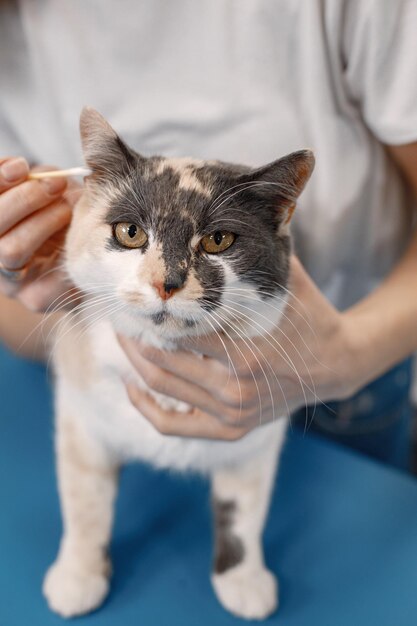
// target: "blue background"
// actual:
[[342, 533]]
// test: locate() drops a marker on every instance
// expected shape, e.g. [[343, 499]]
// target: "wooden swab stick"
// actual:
[[73, 171]]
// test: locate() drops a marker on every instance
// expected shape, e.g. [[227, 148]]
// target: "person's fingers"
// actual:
[[18, 245], [30, 196], [191, 367], [213, 346], [193, 424], [13, 170], [203, 382], [168, 384], [219, 347]]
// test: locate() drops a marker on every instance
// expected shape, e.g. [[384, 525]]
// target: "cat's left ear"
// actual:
[[281, 182], [104, 152]]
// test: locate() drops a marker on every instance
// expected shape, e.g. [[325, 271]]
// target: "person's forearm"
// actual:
[[387, 320], [23, 331]]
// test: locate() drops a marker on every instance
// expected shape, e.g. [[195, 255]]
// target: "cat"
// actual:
[[155, 245]]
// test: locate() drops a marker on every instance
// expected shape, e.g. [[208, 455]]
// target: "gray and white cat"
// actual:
[[157, 246]]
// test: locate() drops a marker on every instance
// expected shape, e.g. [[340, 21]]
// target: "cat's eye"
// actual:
[[217, 242], [130, 235]]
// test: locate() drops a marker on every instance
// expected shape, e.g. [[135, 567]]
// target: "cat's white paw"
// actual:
[[251, 594], [70, 593]]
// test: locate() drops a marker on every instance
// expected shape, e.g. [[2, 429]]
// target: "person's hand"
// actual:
[[34, 216], [240, 384]]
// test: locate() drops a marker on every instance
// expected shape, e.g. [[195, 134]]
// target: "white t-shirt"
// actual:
[[239, 80]]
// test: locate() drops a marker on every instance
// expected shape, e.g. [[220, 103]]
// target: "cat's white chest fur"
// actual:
[[98, 398]]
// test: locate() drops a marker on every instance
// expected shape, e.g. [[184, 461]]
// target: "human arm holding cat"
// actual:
[[270, 376], [317, 353]]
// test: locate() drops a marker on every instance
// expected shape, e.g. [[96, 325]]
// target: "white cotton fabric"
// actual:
[[239, 80]]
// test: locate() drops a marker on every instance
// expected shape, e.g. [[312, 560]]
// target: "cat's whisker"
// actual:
[[57, 326], [288, 193], [243, 293], [51, 270], [230, 221], [281, 312], [229, 358], [279, 349], [258, 314], [276, 295], [76, 310], [65, 299], [242, 338], [62, 302], [213, 314], [38, 326], [95, 301], [216, 207], [309, 326], [103, 312], [209, 334], [45, 316], [264, 332], [302, 382], [231, 366], [284, 288], [271, 369]]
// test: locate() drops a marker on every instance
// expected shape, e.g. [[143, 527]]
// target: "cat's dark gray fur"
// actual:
[[228, 548]]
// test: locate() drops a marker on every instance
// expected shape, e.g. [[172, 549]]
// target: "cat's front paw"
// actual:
[[70, 592], [251, 594]]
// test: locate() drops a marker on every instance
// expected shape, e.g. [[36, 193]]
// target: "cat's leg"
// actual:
[[240, 497], [78, 581]]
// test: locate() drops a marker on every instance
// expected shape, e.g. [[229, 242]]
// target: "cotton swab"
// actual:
[[73, 171]]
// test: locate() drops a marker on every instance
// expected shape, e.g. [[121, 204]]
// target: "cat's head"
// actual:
[[181, 246]]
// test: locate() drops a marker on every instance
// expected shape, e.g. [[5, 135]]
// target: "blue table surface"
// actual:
[[341, 535]]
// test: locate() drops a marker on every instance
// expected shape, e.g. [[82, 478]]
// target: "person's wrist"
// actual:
[[356, 364]]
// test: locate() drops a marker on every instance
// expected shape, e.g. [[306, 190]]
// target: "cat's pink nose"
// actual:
[[166, 290]]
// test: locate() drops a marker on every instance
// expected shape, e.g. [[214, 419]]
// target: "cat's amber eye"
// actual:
[[130, 235], [217, 242]]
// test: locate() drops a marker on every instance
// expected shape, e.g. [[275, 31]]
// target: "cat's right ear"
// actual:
[[104, 152]]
